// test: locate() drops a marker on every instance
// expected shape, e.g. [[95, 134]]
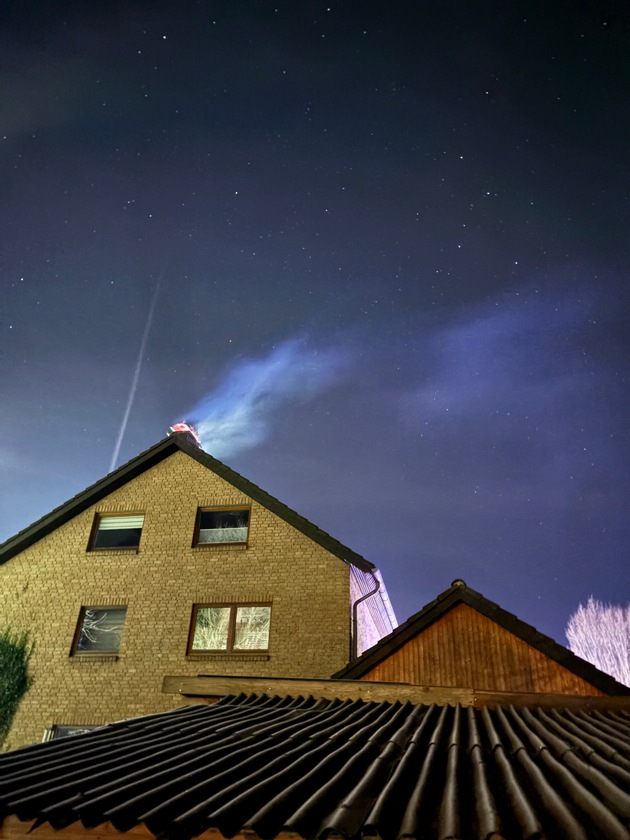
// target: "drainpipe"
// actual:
[[355, 608]]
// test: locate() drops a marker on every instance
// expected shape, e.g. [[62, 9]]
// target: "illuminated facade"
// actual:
[[176, 565]]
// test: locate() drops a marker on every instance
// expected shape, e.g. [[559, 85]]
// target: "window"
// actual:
[[221, 525], [99, 630], [62, 731], [229, 627], [116, 531]]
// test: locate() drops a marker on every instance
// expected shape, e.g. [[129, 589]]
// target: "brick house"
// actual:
[[174, 563]]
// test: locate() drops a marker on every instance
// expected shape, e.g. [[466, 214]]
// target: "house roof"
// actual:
[[176, 442], [269, 766], [460, 593]]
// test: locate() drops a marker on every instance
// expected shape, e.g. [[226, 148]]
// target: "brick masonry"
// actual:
[[43, 588]]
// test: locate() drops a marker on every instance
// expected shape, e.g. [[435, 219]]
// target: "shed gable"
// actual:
[[464, 648]]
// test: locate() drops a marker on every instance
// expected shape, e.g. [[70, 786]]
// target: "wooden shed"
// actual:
[[463, 640]]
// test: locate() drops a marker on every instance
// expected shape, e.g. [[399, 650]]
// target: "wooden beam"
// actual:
[[343, 689], [207, 688], [570, 701]]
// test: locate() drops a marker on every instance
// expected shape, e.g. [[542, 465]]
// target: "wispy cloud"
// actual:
[[517, 392], [521, 353], [238, 414]]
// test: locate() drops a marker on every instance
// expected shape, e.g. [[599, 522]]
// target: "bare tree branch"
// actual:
[[600, 633]]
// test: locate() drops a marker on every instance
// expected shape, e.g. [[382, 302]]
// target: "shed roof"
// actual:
[[460, 593], [269, 766], [176, 442]]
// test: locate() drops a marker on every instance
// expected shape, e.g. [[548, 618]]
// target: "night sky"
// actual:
[[379, 252]]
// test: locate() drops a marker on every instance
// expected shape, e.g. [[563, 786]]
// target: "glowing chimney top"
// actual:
[[189, 430]]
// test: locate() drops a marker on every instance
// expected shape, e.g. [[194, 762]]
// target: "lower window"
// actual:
[[99, 630], [62, 731], [229, 627]]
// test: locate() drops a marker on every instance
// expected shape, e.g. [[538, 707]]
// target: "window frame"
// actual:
[[218, 509], [229, 649], [98, 518], [74, 652]]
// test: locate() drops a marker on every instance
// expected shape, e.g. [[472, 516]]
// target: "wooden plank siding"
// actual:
[[464, 648], [14, 829]]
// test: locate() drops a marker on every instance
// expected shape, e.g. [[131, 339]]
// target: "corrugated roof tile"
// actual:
[[269, 767]]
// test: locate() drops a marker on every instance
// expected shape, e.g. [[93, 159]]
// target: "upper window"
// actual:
[[117, 530], [99, 630], [229, 627], [221, 525]]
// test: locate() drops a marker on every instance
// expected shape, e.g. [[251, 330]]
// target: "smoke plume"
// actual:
[[239, 413]]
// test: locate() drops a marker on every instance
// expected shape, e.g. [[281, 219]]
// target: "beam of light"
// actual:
[[238, 414], [136, 376]]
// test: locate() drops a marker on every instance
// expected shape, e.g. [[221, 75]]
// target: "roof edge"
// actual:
[[176, 441], [94, 493]]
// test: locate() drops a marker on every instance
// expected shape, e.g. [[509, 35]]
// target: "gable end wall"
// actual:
[[465, 649], [43, 588]]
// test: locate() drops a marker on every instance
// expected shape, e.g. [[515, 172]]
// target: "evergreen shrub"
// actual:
[[15, 652]]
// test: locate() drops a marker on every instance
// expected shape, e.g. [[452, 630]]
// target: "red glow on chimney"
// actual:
[[189, 429]]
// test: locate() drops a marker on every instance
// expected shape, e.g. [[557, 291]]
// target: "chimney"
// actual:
[[188, 430]]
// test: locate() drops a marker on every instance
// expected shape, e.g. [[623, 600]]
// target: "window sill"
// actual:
[[121, 549], [221, 545], [94, 657], [227, 657]]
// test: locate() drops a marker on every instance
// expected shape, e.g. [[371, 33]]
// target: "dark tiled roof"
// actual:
[[459, 593], [175, 442], [329, 767]]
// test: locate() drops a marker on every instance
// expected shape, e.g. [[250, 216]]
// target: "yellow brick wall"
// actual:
[[43, 588]]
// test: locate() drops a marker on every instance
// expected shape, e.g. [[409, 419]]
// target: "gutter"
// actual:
[[355, 608]]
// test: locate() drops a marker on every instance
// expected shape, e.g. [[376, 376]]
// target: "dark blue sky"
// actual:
[[392, 253]]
